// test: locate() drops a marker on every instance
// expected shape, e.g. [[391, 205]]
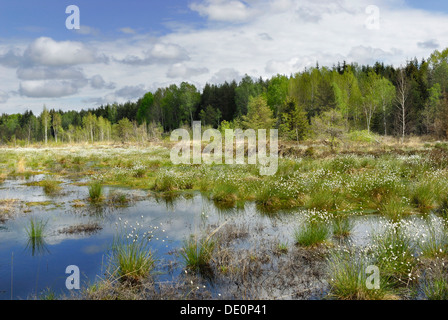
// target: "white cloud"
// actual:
[[368, 55], [11, 59], [48, 52], [159, 53], [256, 37], [86, 30], [430, 44], [180, 70], [226, 74], [50, 88], [98, 82], [46, 73], [223, 10], [131, 92]]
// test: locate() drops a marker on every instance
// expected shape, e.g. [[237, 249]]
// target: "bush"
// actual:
[[362, 136]]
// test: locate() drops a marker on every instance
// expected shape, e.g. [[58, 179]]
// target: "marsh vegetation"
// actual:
[[310, 231]]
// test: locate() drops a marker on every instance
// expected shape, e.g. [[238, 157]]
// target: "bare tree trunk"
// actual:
[[402, 96]]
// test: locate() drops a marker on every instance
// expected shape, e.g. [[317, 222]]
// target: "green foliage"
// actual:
[[131, 259], [95, 191], [143, 113], [362, 136], [35, 229], [395, 208], [436, 289], [293, 121], [210, 116], [393, 256], [342, 226], [124, 130], [312, 234], [50, 186], [329, 125], [197, 253], [259, 115], [348, 278], [364, 97], [435, 244]]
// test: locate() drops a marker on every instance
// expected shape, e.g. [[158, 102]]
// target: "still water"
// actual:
[[28, 270]]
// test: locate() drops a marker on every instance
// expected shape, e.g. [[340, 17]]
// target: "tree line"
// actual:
[[408, 100]]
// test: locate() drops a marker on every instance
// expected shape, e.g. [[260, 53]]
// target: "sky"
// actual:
[[124, 49]]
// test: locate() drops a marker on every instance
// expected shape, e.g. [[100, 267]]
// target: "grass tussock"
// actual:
[[51, 186], [35, 229], [197, 253], [131, 258], [312, 234], [36, 234], [393, 254], [349, 280], [436, 289], [95, 192], [342, 226]]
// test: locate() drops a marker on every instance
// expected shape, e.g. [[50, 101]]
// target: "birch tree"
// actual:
[[46, 118], [401, 99]]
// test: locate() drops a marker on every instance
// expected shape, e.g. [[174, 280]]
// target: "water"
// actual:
[[27, 270]]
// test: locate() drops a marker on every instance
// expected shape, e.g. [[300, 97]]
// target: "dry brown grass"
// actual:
[[21, 166], [87, 228], [7, 208]]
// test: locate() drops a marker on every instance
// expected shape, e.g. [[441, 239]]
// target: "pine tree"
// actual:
[[293, 121], [259, 115]]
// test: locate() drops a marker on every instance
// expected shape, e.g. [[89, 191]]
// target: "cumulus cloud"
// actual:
[[257, 37], [47, 73], [50, 88], [313, 11], [226, 74], [299, 63], [430, 44], [223, 10], [179, 70], [108, 99], [281, 67], [369, 55], [48, 52], [123, 94], [49, 68], [11, 59], [131, 92], [97, 82], [159, 53]]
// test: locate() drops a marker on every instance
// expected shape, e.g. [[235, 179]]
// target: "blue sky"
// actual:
[[430, 5], [127, 48], [26, 18]]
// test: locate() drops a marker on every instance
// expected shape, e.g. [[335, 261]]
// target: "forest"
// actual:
[[410, 100]]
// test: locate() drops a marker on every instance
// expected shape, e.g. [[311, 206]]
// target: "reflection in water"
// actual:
[[35, 231], [170, 219], [37, 246]]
